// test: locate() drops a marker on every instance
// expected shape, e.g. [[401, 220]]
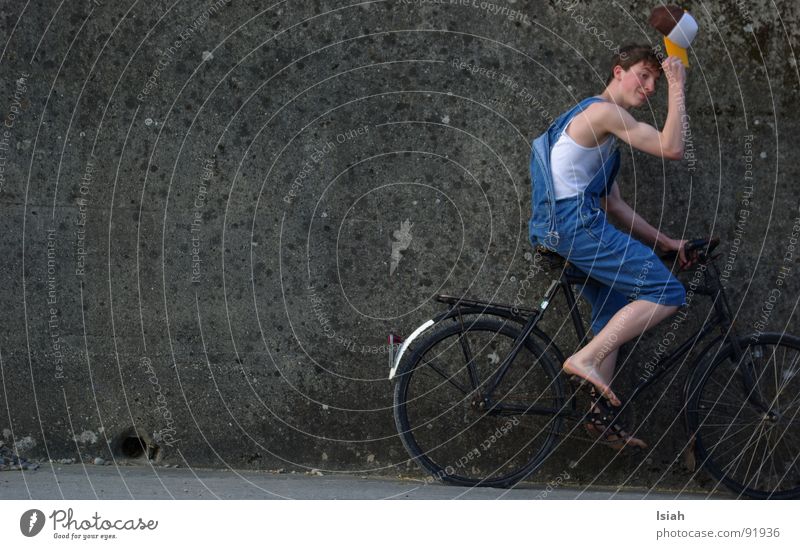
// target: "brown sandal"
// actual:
[[613, 435]]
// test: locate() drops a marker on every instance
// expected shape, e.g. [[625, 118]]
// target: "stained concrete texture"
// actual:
[[214, 212]]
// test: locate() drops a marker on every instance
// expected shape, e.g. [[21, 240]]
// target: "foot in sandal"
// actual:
[[590, 375]]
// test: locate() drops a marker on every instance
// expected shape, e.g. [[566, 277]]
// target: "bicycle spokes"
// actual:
[[466, 432], [748, 419]]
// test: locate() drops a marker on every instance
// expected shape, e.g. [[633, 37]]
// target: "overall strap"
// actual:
[[543, 217], [562, 121], [604, 178]]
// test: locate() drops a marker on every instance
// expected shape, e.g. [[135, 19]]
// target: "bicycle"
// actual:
[[480, 398]]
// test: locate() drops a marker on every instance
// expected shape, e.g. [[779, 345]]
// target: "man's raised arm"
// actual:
[[667, 143]]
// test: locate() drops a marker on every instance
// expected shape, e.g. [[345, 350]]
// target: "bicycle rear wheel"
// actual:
[[745, 414], [438, 413]]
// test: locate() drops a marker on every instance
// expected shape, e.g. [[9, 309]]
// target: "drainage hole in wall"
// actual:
[[133, 447]]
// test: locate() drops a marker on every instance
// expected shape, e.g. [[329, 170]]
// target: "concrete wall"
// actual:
[[213, 213]]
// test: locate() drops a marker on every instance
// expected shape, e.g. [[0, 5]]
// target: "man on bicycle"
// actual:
[[573, 167]]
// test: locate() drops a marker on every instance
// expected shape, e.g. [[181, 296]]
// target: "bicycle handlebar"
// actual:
[[698, 250]]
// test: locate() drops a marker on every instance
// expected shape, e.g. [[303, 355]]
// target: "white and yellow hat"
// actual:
[[678, 27]]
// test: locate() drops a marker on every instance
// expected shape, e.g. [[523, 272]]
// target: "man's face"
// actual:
[[638, 82]]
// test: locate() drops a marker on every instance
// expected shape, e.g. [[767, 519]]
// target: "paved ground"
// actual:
[[112, 482]]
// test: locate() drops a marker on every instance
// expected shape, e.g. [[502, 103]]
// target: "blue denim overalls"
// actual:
[[576, 229]]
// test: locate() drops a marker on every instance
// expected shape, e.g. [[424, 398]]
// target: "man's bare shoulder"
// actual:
[[606, 114], [597, 120]]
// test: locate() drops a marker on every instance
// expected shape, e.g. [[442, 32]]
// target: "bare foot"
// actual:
[[590, 375]]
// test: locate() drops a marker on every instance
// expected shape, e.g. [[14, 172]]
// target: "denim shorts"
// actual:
[[627, 269]]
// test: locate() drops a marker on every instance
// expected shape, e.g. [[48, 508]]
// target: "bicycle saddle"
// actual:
[[548, 259]]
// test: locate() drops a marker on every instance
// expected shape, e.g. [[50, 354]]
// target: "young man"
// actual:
[[573, 166]]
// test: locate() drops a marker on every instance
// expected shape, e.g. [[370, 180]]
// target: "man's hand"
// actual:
[[674, 71], [672, 245]]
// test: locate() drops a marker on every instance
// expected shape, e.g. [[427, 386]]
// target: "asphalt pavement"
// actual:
[[84, 481]]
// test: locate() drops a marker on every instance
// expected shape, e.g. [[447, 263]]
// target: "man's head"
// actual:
[[634, 73]]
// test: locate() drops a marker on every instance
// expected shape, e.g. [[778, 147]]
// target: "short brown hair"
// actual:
[[631, 54]]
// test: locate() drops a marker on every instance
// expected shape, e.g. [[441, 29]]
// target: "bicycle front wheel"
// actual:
[[745, 415], [440, 416]]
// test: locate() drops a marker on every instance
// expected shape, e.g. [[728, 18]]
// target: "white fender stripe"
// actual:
[[405, 345]]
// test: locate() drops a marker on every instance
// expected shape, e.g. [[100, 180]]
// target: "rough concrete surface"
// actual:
[[212, 213]]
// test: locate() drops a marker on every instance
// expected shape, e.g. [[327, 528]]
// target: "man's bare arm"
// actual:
[[667, 143], [627, 220]]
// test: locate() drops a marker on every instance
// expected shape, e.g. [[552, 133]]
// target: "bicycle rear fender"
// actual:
[[414, 335], [470, 310]]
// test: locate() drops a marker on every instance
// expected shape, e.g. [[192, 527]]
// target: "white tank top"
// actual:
[[573, 166]]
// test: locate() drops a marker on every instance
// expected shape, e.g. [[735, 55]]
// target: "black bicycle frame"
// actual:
[[721, 318]]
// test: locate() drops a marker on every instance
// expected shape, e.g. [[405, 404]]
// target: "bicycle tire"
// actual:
[[485, 450], [729, 407]]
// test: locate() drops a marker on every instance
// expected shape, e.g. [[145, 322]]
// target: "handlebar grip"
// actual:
[[703, 246]]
